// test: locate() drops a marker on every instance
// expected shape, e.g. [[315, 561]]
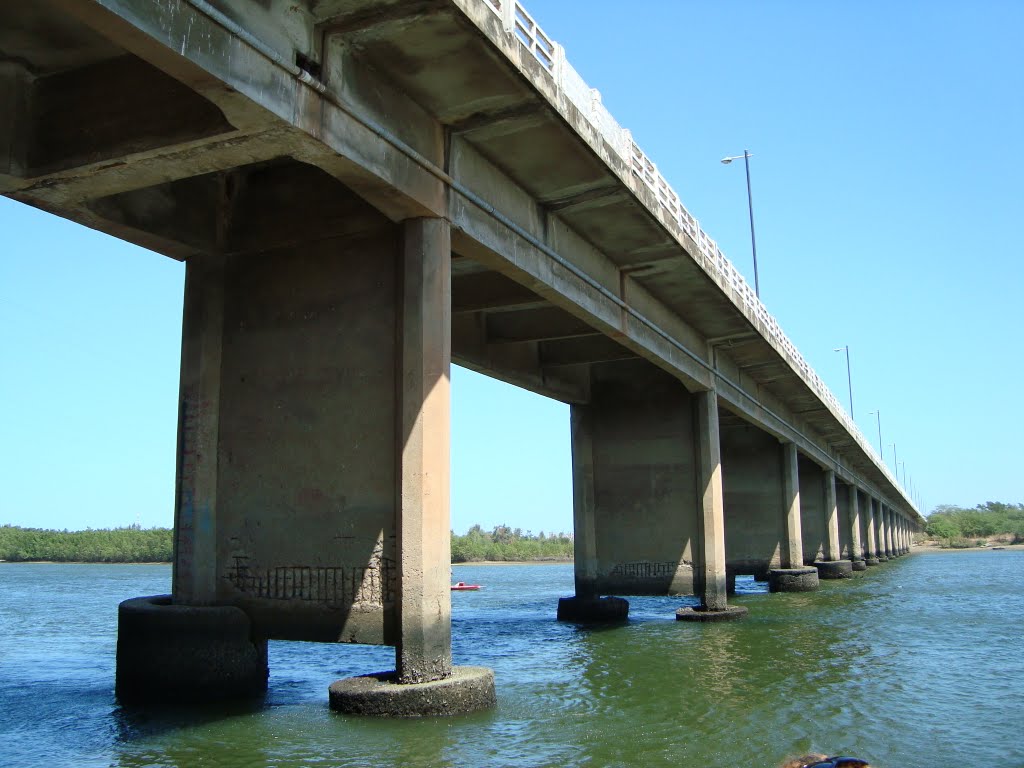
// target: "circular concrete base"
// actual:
[[593, 609], [883, 559], [860, 565], [170, 653], [792, 579], [834, 569], [699, 613], [469, 689], [871, 561]]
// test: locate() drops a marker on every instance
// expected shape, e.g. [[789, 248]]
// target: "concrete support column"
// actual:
[[585, 534], [586, 605], [709, 462], [872, 546], [424, 682], [831, 516], [886, 533], [833, 567], [713, 589], [793, 551], [856, 547], [194, 571], [423, 652], [793, 576], [182, 647]]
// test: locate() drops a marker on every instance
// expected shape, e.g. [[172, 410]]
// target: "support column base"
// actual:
[[702, 614], [469, 689], [860, 565], [871, 561], [883, 559], [834, 569], [593, 609], [168, 654], [792, 579]]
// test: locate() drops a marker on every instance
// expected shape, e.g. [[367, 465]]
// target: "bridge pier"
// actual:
[[793, 576], [647, 493], [313, 475], [755, 515], [830, 564]]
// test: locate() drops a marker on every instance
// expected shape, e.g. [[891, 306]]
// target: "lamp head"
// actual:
[[727, 160]]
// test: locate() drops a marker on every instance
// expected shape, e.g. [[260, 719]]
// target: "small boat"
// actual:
[[464, 587]]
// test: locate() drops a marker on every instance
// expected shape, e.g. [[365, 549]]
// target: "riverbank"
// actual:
[[934, 546]]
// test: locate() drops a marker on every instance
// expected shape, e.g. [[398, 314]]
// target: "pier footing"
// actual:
[[593, 609], [792, 579], [702, 614], [834, 569], [169, 653], [860, 565], [469, 689]]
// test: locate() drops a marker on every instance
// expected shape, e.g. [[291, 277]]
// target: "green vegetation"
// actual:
[[155, 545], [507, 544], [117, 545], [959, 528]]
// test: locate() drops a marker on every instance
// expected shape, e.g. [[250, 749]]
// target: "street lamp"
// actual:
[[878, 418], [893, 446], [750, 207], [849, 382]]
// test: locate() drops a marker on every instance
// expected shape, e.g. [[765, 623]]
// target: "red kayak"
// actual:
[[463, 586]]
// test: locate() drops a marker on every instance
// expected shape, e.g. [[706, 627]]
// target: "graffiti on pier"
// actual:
[[369, 585], [644, 569]]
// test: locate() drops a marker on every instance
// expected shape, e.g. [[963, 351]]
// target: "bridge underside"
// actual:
[[364, 192]]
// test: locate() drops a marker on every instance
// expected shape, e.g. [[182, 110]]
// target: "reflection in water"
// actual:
[[896, 665]]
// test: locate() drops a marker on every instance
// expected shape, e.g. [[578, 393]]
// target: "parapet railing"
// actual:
[[587, 100]]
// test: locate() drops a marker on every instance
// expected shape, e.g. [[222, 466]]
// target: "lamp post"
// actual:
[[849, 381], [750, 207], [878, 418], [893, 446]]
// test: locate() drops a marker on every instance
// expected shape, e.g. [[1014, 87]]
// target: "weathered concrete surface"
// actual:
[[792, 579], [871, 526], [793, 551], [635, 484], [169, 654], [466, 689], [587, 610], [713, 588], [833, 551], [812, 511], [424, 533], [754, 506]]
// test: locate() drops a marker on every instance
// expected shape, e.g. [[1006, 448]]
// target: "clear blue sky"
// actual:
[[888, 206]]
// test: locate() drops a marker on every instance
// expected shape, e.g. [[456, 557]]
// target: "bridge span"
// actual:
[[363, 192]]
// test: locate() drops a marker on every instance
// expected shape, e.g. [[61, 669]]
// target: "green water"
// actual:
[[918, 662]]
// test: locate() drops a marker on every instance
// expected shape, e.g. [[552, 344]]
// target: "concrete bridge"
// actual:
[[363, 192]]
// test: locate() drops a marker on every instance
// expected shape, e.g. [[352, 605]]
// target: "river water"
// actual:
[[917, 662]]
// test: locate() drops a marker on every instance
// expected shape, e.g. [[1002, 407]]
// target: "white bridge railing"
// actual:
[[587, 100]]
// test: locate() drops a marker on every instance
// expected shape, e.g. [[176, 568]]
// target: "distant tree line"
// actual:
[[508, 544], [960, 527], [133, 544], [155, 545]]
